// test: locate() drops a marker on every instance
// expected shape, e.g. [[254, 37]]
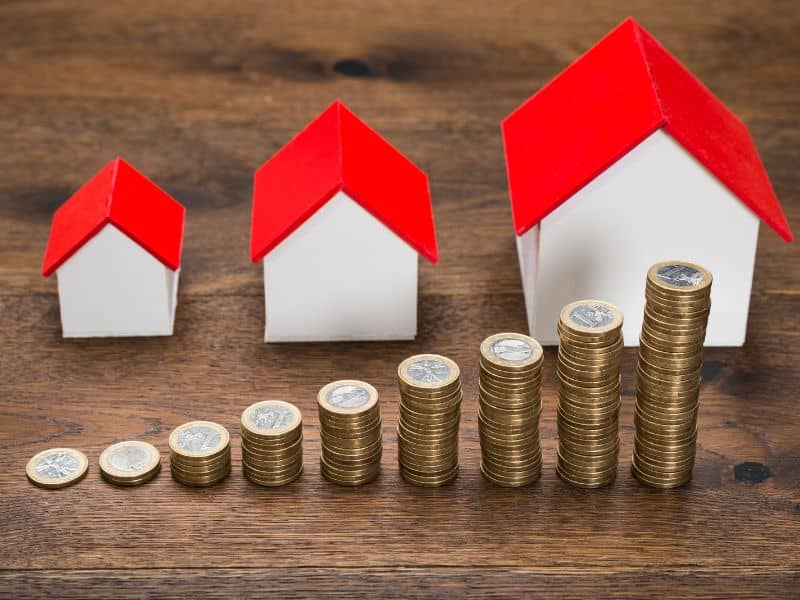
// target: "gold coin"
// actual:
[[199, 439], [130, 462], [57, 468], [271, 419]]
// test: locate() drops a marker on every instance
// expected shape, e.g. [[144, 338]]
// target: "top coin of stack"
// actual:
[[510, 402], [130, 463], [677, 305], [589, 356], [200, 453], [57, 468], [272, 443], [430, 413], [350, 431]]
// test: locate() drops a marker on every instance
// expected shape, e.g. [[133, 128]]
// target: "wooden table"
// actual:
[[197, 95]]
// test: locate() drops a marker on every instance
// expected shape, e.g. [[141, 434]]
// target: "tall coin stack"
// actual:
[[677, 305], [589, 356], [272, 443], [350, 431], [510, 401], [430, 413], [200, 453]]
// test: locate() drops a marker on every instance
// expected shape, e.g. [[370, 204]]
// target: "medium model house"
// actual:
[[339, 217], [115, 247], [625, 159]]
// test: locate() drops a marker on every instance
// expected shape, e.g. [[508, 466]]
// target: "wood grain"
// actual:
[[197, 95]]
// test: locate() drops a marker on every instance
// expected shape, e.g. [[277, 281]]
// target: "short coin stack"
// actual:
[[589, 356], [430, 413], [350, 430], [130, 463], [510, 402], [200, 453], [678, 301], [272, 443]]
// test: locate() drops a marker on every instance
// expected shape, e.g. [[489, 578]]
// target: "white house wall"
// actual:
[[528, 254], [656, 203], [113, 287], [342, 275]]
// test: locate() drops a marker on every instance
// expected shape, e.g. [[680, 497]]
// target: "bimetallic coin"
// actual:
[[428, 371], [199, 439], [57, 468], [271, 418], [347, 397], [130, 462], [591, 316]]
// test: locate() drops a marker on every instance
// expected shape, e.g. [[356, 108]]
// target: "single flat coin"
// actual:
[[130, 462], [57, 468], [511, 350], [679, 276], [591, 316], [199, 439], [428, 371], [271, 418], [347, 397]]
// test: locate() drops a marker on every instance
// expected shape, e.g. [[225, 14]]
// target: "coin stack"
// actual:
[[677, 305], [272, 443], [200, 453], [130, 463], [589, 355], [350, 430], [430, 413], [510, 401]]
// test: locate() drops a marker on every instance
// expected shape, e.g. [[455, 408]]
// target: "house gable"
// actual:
[[343, 275], [657, 202], [111, 286]]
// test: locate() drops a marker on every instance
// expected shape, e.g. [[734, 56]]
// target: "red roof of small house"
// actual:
[[118, 194], [603, 105], [339, 152]]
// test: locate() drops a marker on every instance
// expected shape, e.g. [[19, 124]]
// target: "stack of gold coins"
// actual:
[[678, 302], [510, 401], [430, 413], [200, 453], [350, 430], [589, 355], [272, 443], [130, 463]]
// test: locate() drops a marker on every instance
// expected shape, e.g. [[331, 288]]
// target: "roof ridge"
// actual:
[[638, 32]]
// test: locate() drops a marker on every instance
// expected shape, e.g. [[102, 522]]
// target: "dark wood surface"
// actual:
[[197, 95]]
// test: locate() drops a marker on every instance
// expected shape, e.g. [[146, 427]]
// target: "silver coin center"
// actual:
[[57, 465], [348, 396], [199, 438], [591, 316], [680, 275], [428, 370], [272, 416], [129, 458], [512, 350]]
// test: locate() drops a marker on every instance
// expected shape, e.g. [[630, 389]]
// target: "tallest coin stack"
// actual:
[[678, 302]]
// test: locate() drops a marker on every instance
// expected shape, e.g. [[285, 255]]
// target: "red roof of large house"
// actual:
[[339, 152], [603, 105], [118, 194]]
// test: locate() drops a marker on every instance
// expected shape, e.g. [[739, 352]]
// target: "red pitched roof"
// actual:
[[120, 195], [603, 105], [339, 152]]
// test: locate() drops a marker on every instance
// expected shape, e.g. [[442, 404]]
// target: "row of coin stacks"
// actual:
[[678, 303]]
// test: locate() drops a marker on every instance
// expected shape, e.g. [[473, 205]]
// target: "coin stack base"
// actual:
[[509, 405], [272, 443], [677, 305], [200, 453], [350, 431], [430, 414], [589, 356]]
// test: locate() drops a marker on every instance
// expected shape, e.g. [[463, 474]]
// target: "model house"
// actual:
[[115, 247], [339, 217], [625, 159]]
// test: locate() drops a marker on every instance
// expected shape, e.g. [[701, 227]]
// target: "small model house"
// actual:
[[115, 247], [625, 159], [339, 218]]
